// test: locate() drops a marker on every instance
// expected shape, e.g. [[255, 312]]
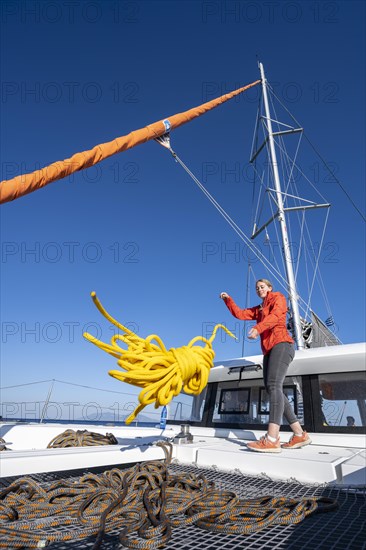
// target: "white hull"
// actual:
[[331, 458]]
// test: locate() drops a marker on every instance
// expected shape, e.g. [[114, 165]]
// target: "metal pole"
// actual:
[[47, 401], [246, 305], [282, 219]]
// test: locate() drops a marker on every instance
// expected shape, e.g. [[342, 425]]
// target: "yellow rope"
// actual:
[[149, 365]]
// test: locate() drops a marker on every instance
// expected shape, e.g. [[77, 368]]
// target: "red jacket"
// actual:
[[270, 317]]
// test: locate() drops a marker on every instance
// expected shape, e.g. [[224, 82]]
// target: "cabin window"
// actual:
[[247, 402], [188, 408], [289, 391], [343, 399], [234, 401]]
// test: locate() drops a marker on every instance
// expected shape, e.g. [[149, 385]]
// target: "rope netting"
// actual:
[[144, 503]]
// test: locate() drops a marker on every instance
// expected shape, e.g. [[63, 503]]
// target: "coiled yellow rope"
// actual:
[[149, 365]]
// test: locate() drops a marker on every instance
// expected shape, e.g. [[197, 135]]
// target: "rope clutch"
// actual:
[[162, 374]]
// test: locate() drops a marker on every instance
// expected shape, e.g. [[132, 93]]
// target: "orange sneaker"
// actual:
[[297, 441], [264, 445]]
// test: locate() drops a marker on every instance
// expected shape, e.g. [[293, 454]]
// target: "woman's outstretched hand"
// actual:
[[253, 333], [224, 295]]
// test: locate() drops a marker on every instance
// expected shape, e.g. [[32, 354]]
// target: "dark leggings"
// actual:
[[275, 365]]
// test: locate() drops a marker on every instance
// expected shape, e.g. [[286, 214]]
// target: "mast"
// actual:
[[282, 219]]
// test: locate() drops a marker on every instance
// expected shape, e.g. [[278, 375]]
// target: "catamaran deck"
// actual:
[[338, 459], [333, 466]]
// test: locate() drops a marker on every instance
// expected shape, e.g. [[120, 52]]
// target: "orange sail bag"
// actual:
[[27, 183]]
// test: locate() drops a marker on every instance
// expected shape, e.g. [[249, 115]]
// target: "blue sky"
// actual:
[[136, 229]]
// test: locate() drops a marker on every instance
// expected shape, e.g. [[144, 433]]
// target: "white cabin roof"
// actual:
[[331, 359]]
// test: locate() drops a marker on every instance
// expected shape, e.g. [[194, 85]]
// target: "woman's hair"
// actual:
[[266, 281]]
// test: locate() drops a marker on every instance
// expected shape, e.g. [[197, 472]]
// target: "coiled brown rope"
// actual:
[[3, 446], [81, 438], [145, 503]]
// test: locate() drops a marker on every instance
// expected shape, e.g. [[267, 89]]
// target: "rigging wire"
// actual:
[[274, 256], [258, 178], [278, 276], [267, 264], [307, 244], [27, 384], [274, 199], [63, 382], [293, 163], [264, 187], [335, 178], [254, 148], [288, 161], [321, 158], [91, 387], [286, 170], [301, 172], [300, 245], [317, 260], [165, 142]]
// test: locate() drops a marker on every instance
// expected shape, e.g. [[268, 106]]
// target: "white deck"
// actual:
[[336, 459]]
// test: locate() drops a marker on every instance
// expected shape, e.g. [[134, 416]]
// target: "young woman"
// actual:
[[278, 352]]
